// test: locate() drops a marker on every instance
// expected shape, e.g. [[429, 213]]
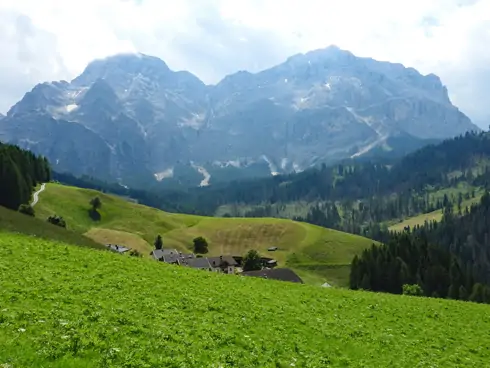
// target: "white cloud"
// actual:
[[51, 39]]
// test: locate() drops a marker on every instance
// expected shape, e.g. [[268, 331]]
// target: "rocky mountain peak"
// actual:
[[118, 68], [320, 106], [136, 76], [40, 98], [99, 90]]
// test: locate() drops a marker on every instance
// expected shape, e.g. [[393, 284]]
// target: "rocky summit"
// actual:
[[131, 118]]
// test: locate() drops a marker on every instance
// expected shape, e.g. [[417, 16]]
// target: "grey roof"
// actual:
[[195, 262], [160, 253], [172, 258], [118, 248], [216, 261], [283, 274], [169, 251], [157, 254]]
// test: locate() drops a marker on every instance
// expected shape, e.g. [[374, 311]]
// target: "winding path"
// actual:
[[35, 197]]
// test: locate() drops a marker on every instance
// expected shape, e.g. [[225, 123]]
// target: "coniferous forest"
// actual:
[[447, 259], [20, 172]]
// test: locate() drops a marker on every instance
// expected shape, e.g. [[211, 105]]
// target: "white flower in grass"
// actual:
[[22, 330]]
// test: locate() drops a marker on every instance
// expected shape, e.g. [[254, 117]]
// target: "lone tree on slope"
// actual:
[[96, 203], [200, 245], [252, 261], [158, 242]]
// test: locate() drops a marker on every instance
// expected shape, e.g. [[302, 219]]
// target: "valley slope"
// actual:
[[132, 119], [72, 307], [318, 254]]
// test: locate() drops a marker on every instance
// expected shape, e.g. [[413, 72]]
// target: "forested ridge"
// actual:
[[20, 172], [360, 197], [443, 165], [448, 259]]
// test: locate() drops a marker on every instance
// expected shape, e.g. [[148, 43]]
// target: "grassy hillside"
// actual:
[[309, 249], [16, 222], [75, 307]]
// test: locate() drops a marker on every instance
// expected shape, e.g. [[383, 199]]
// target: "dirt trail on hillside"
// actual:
[[35, 197]]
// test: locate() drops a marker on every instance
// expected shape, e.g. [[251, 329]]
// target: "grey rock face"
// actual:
[[130, 117]]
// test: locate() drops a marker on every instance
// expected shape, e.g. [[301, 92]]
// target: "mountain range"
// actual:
[[131, 118]]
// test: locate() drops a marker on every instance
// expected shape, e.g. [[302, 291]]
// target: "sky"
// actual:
[[55, 39]]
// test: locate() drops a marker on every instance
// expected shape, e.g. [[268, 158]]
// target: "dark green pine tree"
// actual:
[[456, 280], [463, 294], [365, 282], [477, 294], [354, 274], [13, 190]]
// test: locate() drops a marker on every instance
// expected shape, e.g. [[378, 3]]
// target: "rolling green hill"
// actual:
[[13, 221], [74, 307], [318, 254]]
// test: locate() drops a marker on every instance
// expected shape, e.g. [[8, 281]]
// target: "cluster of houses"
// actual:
[[225, 264]]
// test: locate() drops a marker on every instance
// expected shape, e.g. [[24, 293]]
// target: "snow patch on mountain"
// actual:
[[222, 164], [204, 173], [272, 166], [165, 174], [71, 107], [196, 121], [284, 163], [297, 168]]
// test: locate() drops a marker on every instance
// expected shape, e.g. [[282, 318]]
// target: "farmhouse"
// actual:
[[158, 254], [118, 248], [198, 263], [225, 264], [282, 274]]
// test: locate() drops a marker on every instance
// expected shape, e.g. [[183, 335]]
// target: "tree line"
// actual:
[[20, 171]]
